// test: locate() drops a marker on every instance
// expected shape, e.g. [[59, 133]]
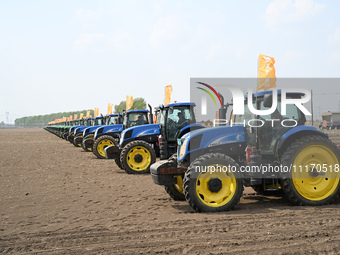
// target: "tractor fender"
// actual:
[[148, 133], [188, 128], [295, 133]]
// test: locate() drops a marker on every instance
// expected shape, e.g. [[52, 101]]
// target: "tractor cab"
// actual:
[[263, 132], [175, 120], [135, 118], [173, 117]]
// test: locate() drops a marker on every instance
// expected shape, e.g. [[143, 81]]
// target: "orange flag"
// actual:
[[96, 112], [168, 92], [81, 116], [75, 116], [71, 117], [129, 102], [266, 76], [88, 114], [109, 109]]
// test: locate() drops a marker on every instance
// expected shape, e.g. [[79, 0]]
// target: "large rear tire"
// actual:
[[137, 157], [209, 189], [314, 176], [101, 143]]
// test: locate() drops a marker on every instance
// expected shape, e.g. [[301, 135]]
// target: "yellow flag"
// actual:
[[71, 117], [129, 102], [75, 116], [266, 76], [109, 109], [96, 112], [88, 114], [168, 92], [81, 116]]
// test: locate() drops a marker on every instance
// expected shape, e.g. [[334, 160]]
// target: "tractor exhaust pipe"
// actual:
[[151, 115], [222, 112]]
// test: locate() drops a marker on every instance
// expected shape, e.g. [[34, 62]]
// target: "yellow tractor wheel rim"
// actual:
[[179, 185], [314, 174], [224, 195], [138, 158], [102, 145]]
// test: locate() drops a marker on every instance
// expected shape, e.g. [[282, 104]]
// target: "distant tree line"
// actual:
[[42, 120]]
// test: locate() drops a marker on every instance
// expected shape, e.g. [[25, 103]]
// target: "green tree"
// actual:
[[120, 107], [138, 103], [2, 124]]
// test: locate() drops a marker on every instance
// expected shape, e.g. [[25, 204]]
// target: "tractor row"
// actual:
[[209, 167]]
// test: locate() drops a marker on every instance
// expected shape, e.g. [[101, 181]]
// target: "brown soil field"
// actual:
[[57, 199]]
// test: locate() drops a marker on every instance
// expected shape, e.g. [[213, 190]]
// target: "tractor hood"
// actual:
[[89, 130], [79, 129], [210, 137], [139, 131], [108, 129], [73, 128]]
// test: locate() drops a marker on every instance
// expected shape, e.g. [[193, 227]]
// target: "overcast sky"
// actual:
[[60, 56]]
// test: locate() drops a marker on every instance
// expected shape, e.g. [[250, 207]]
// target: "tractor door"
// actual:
[[273, 127], [176, 119]]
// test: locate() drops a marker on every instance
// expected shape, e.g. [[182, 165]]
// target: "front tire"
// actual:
[[176, 191], [118, 163], [101, 143], [309, 182], [88, 136], [137, 157], [76, 142], [211, 189]]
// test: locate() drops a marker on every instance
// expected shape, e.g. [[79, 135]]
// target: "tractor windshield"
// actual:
[[113, 120], [135, 119], [99, 122], [88, 122], [176, 119]]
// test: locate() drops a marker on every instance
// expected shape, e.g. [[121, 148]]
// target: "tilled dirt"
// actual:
[[57, 199]]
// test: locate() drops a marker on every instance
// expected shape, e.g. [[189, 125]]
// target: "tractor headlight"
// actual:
[[183, 149]]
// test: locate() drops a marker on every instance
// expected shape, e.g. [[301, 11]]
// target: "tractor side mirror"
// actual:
[[171, 110], [268, 100]]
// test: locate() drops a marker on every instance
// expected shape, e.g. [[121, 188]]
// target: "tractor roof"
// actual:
[[132, 111], [180, 104], [114, 114], [262, 93]]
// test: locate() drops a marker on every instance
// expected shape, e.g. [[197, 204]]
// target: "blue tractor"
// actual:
[[139, 146], [216, 163], [78, 131], [109, 135], [76, 124], [88, 132]]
